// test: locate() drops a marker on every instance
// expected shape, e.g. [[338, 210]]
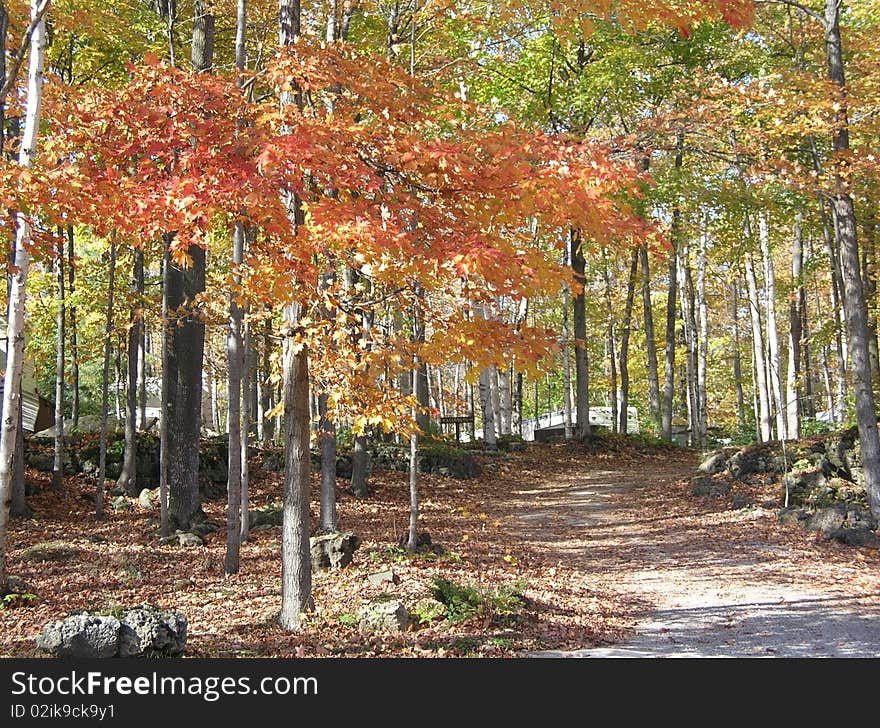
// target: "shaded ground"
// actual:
[[714, 582], [610, 550]]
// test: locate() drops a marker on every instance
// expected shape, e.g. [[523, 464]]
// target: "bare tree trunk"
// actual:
[[566, 359], [58, 463], [612, 342], [105, 386], [737, 357], [327, 440], [235, 365], [773, 360], [505, 401], [412, 537], [296, 567], [703, 338], [128, 477], [766, 426], [650, 341], [795, 334], [247, 376], [689, 388], [624, 341], [296, 571], [854, 299], [579, 322], [142, 370], [488, 411], [672, 295], [71, 317], [496, 399]]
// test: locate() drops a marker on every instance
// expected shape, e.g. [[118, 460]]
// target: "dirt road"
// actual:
[[708, 581]]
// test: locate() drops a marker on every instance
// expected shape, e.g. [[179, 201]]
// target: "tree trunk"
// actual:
[[71, 317], [689, 385], [235, 365], [624, 341], [105, 386], [296, 567], [246, 412], [579, 324], [672, 295], [58, 462], [186, 342], [296, 572], [611, 342], [703, 339], [795, 333], [650, 341], [128, 477], [327, 440], [774, 361], [566, 360], [766, 427], [854, 300], [737, 358], [412, 536], [488, 411]]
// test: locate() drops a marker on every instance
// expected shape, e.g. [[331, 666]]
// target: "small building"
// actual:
[[38, 413]]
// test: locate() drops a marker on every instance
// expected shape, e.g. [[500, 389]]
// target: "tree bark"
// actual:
[[737, 358], [71, 318], [766, 426], [296, 568], [128, 477], [105, 385], [795, 332], [650, 340], [579, 324], [58, 462], [672, 295], [856, 311], [774, 361], [235, 365], [624, 341]]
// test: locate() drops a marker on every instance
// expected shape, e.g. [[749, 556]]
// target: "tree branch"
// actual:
[[794, 4], [18, 58]]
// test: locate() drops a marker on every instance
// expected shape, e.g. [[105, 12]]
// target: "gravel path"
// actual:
[[712, 582]]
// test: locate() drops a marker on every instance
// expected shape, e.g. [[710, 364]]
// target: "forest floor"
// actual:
[[610, 551]]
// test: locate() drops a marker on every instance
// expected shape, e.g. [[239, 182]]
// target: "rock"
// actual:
[[840, 516], [383, 616], [703, 485], [269, 517], [827, 519], [183, 539], [81, 636], [50, 551], [424, 544], [791, 515], [273, 461], [740, 501], [203, 528], [120, 503], [383, 577], [748, 461], [808, 486], [148, 632], [16, 585], [42, 461], [148, 499], [859, 536], [333, 550], [144, 631], [716, 462], [181, 584]]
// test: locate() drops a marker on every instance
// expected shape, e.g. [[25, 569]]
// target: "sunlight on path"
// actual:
[[741, 599]]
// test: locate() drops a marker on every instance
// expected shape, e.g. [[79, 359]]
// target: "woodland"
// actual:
[[291, 285]]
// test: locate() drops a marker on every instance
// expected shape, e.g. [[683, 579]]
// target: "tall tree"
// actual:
[[11, 413]]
